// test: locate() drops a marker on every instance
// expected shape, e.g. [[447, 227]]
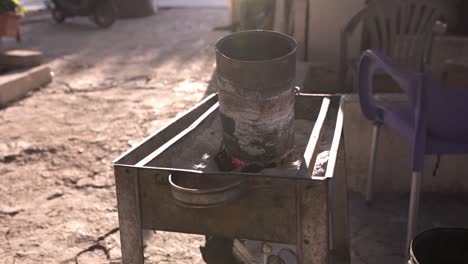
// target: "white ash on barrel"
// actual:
[[255, 78]]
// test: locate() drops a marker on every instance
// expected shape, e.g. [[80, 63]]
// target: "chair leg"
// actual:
[[372, 161], [413, 208], [444, 77]]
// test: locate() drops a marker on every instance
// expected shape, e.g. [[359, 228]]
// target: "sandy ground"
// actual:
[[111, 88]]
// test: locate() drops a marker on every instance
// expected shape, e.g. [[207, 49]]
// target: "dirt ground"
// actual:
[[111, 88]]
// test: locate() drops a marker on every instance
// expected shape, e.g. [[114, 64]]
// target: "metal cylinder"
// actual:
[[440, 245], [255, 77]]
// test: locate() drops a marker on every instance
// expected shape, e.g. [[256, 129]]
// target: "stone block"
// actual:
[[15, 59], [16, 84]]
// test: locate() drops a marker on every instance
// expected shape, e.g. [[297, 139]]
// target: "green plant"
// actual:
[[11, 6]]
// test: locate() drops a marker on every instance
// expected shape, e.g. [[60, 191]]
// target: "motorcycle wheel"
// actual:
[[105, 13], [58, 16]]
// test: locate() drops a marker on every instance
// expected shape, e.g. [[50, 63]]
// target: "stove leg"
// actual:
[[128, 204], [339, 223], [312, 222]]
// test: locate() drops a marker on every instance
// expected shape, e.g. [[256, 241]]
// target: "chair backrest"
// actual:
[[446, 111], [440, 111], [402, 29]]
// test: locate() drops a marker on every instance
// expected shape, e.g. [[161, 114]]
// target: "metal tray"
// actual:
[[190, 155]]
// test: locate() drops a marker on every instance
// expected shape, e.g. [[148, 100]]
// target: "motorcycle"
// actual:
[[102, 12]]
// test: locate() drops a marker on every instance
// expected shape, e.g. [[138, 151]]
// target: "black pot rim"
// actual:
[[412, 256], [292, 41]]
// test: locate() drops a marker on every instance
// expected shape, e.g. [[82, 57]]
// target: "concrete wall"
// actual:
[[328, 17], [155, 5], [393, 169], [326, 20], [445, 48]]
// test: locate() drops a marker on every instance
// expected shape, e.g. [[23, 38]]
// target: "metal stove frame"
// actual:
[[310, 212]]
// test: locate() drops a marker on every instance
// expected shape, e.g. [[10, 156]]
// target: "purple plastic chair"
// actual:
[[433, 120]]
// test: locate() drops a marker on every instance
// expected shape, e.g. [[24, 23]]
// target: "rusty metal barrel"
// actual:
[[255, 77]]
